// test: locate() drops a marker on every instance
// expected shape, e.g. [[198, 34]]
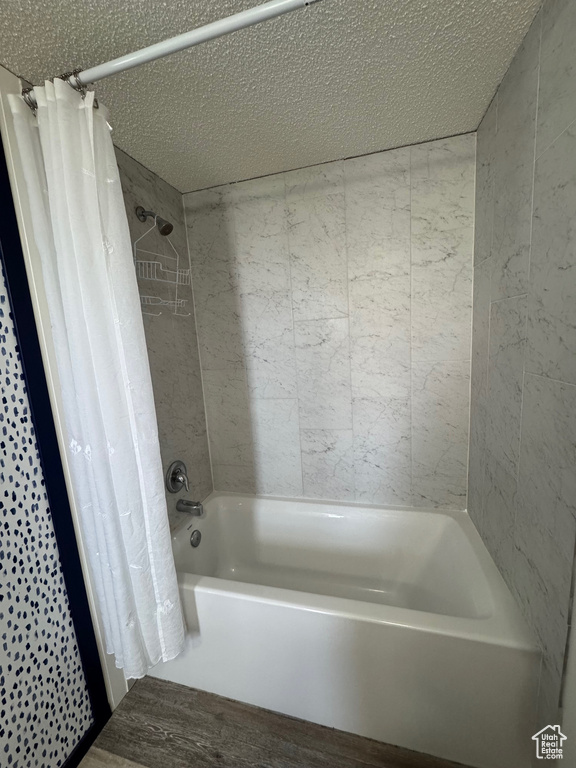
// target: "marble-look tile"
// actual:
[[179, 398], [171, 340], [431, 488], [219, 327], [202, 211], [314, 181], [278, 468], [522, 484], [377, 190], [557, 94], [328, 463], [380, 349], [378, 237], [479, 393], [477, 483], [440, 412], [261, 247], [506, 365], [142, 187], [380, 336], [442, 295], [485, 169], [536, 600], [546, 508], [229, 418], [269, 345], [499, 521], [323, 362], [260, 190], [376, 372], [549, 707], [536, 595], [234, 478], [514, 170], [382, 454], [552, 300], [385, 175], [316, 232], [442, 182], [211, 238], [481, 328], [344, 231], [549, 440], [263, 279]]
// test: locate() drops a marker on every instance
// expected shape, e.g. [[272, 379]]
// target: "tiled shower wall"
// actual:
[[522, 493], [333, 307], [170, 337]]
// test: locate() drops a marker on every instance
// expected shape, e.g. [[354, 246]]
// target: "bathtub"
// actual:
[[391, 624]]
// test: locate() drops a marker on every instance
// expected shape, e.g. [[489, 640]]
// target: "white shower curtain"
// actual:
[[81, 232]]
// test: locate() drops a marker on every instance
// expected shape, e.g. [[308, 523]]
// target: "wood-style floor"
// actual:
[[164, 725]]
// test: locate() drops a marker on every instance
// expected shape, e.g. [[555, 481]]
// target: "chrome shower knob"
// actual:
[[177, 477]]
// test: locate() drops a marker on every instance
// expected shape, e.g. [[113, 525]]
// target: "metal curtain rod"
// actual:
[[270, 10]]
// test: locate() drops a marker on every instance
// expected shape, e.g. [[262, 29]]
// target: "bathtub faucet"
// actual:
[[194, 508]]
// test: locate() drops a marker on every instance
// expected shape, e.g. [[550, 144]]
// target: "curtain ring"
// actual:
[[29, 99], [73, 83], [76, 84]]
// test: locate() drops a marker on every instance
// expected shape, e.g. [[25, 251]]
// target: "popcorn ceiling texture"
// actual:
[[341, 78]]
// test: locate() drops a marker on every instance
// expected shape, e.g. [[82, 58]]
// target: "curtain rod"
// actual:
[[270, 10]]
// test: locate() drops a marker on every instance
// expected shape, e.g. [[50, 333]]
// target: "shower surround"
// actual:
[[171, 339], [333, 307], [523, 422]]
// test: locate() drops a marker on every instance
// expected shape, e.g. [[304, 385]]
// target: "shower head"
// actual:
[[164, 227]]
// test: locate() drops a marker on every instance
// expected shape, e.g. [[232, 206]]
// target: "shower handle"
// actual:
[[177, 477]]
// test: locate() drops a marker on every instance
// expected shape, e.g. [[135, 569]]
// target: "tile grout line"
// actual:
[[550, 378], [289, 254], [231, 203], [471, 322], [528, 278], [319, 319], [483, 490], [549, 146], [346, 250], [411, 361], [194, 312], [570, 621], [509, 298], [435, 361]]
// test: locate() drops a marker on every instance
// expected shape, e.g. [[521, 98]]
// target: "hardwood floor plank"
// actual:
[[100, 758], [210, 742], [164, 725]]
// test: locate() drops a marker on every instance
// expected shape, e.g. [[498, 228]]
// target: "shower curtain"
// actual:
[[81, 231]]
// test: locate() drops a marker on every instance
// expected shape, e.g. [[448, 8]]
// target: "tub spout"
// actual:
[[194, 508]]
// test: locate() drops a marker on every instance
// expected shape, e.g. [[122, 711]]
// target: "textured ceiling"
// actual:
[[341, 78]]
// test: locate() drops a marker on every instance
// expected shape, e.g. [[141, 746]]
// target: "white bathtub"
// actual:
[[392, 624]]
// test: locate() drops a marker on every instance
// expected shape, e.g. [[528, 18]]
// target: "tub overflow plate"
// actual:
[[195, 537]]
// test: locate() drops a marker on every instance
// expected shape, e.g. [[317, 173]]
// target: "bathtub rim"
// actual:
[[506, 626]]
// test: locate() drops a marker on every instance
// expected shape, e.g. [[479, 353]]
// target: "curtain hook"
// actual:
[[73, 80], [29, 99]]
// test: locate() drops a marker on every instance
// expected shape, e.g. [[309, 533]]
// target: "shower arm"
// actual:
[[270, 10]]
